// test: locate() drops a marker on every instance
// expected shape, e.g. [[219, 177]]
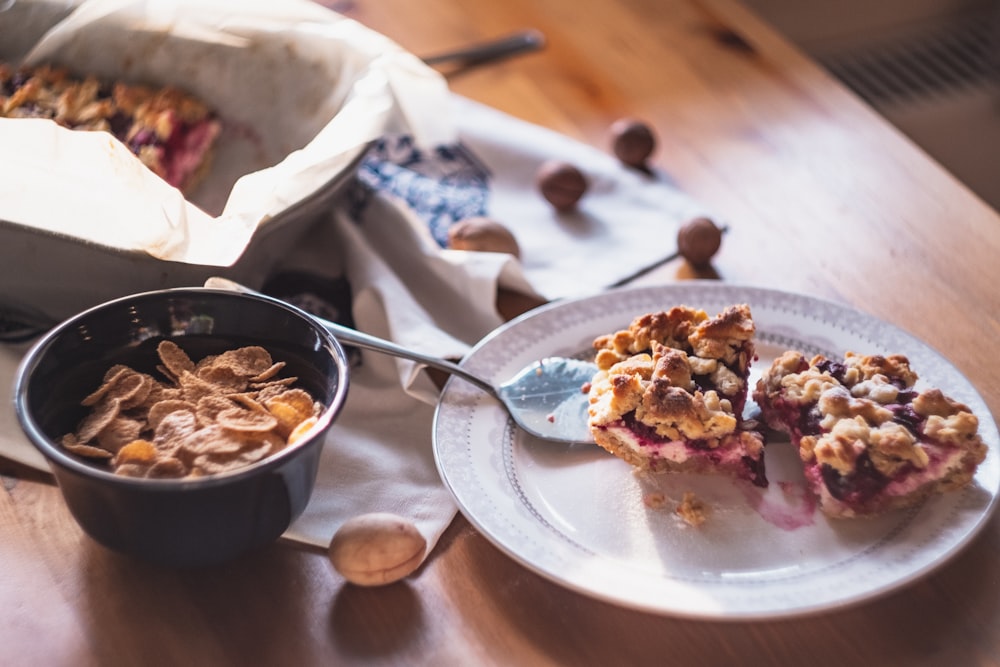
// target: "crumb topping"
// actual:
[[672, 365], [867, 405], [692, 509], [866, 367], [934, 403], [721, 338], [84, 103], [956, 429], [147, 119], [654, 500], [836, 402], [674, 371]]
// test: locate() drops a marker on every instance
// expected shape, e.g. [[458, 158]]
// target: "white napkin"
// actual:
[[626, 222], [408, 289], [379, 454], [386, 239]]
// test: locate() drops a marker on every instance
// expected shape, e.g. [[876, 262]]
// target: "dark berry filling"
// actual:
[[908, 417], [17, 80], [645, 433], [178, 140], [703, 382], [834, 368], [809, 421], [648, 436], [739, 404], [795, 419], [119, 124], [144, 137], [755, 471], [752, 469], [859, 486]]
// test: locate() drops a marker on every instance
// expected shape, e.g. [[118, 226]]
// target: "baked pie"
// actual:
[[869, 442], [169, 130], [670, 391]]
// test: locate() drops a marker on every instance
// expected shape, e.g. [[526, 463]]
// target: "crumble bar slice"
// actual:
[[169, 130], [670, 390], [869, 441]]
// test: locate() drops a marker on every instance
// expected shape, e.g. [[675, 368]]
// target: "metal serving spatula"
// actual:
[[546, 399]]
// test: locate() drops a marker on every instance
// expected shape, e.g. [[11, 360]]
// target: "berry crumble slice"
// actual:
[[670, 391], [869, 442]]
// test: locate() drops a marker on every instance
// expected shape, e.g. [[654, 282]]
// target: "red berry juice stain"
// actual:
[[796, 509]]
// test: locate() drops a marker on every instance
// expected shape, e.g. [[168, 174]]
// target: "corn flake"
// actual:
[[174, 359], [222, 413], [103, 414], [70, 443], [212, 463], [291, 407], [271, 372], [110, 378], [246, 361], [131, 389], [167, 467], [118, 433], [157, 411], [300, 431], [272, 388], [139, 452], [132, 470], [250, 421], [209, 407], [224, 377]]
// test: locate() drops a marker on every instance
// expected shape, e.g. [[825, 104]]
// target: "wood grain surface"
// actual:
[[822, 197]]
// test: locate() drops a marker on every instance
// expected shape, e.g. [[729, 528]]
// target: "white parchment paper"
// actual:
[[301, 91]]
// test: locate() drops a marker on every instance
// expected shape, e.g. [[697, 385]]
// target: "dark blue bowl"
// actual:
[[186, 522]]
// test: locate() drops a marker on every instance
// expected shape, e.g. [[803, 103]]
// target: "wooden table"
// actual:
[[823, 197]]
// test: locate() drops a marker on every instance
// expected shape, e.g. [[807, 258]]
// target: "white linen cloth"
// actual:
[[406, 287]]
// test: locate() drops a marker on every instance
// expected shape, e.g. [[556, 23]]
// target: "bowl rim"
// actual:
[[55, 455]]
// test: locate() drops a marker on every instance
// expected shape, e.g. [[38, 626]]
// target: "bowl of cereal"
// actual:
[[183, 426]]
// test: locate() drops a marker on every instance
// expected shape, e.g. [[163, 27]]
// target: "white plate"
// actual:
[[581, 517]]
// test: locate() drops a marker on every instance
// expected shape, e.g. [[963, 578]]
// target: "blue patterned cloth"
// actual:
[[441, 185]]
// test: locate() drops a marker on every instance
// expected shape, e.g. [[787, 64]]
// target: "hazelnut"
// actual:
[[484, 235], [561, 184], [698, 240], [632, 141], [375, 549]]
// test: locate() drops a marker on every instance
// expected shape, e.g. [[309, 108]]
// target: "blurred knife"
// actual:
[[523, 41]]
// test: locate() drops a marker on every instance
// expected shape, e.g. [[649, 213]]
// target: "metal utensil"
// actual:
[[484, 52], [546, 399]]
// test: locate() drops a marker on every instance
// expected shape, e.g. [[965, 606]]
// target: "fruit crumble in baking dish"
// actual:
[[169, 130]]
